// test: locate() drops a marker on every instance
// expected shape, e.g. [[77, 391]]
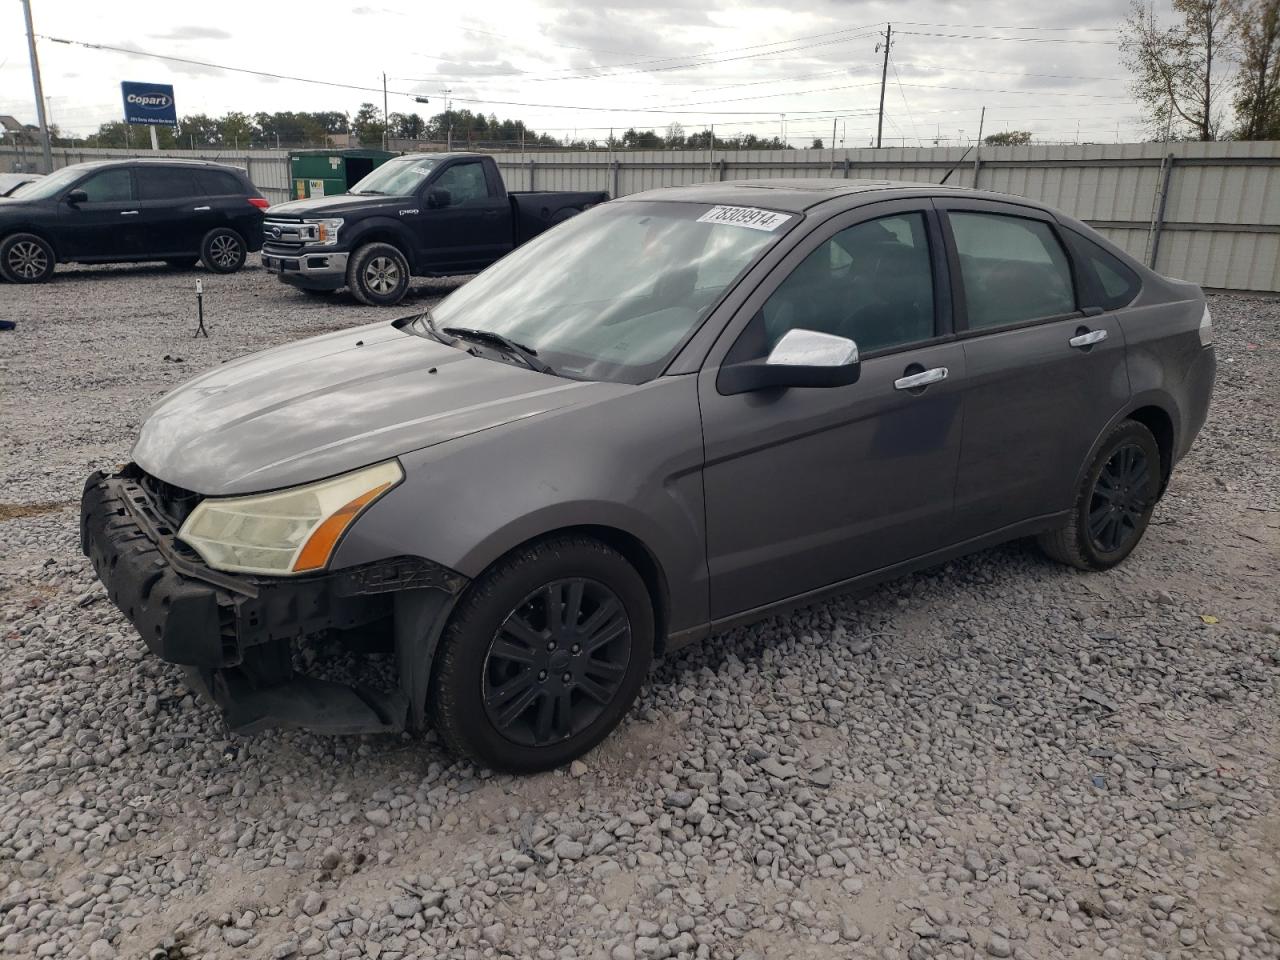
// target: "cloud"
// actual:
[[193, 32]]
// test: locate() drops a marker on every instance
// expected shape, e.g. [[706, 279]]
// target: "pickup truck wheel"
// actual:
[[223, 250], [26, 258], [1114, 503], [378, 274], [544, 655]]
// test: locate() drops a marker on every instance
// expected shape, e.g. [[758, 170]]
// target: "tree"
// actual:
[[406, 126], [1177, 69], [200, 129], [1009, 138], [817, 144], [367, 124], [675, 136], [236, 130], [1257, 101]]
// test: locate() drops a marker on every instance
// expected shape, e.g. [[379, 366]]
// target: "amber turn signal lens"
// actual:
[[316, 551]]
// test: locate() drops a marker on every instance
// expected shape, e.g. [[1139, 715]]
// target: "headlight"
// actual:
[[324, 232], [286, 532]]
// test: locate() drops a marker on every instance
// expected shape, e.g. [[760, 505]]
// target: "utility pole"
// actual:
[[977, 148], [39, 89], [884, 77], [386, 130]]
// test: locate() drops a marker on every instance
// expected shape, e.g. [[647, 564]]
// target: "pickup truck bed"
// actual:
[[418, 215]]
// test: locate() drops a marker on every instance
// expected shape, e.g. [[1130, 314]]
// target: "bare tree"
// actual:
[[1180, 72], [1257, 102]]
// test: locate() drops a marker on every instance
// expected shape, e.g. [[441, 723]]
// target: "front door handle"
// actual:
[[922, 379], [201, 208], [1087, 338], [128, 213]]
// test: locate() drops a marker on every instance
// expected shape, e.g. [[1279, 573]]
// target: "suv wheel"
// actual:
[[223, 250], [26, 258], [543, 656], [1114, 503], [378, 274]]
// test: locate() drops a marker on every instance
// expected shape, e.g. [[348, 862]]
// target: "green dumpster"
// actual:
[[322, 173]]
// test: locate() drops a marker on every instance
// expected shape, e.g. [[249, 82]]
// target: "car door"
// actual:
[[172, 213], [808, 487], [1043, 376], [472, 228], [105, 226]]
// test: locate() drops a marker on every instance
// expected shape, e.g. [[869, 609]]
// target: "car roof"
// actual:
[[798, 194], [145, 161]]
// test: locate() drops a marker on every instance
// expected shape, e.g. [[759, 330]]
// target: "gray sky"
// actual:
[[738, 66]]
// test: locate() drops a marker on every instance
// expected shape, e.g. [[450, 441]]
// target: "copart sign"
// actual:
[[149, 103]]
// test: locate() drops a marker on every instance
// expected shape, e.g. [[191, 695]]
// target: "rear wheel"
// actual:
[[543, 656], [1114, 503], [26, 258], [223, 250], [378, 274]]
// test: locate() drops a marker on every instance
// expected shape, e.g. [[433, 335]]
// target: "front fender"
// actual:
[[381, 230]]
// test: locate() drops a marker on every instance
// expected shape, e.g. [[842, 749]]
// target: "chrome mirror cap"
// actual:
[[809, 348]]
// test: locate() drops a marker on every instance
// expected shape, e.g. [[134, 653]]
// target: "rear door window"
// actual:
[[219, 183], [1013, 269], [165, 183], [1110, 284], [115, 185]]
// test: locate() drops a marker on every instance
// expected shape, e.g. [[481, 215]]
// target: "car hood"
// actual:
[[323, 406], [332, 206]]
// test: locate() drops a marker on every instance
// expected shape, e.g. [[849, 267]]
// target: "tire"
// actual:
[[378, 274], [223, 250], [505, 694], [26, 258], [1114, 503], [182, 263]]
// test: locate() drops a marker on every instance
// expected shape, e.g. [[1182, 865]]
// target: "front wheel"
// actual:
[[26, 258], [223, 250], [544, 655], [1114, 503], [378, 274]]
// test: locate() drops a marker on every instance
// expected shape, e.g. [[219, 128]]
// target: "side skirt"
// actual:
[[866, 581]]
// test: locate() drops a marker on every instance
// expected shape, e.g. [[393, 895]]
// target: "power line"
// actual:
[[988, 26], [978, 36]]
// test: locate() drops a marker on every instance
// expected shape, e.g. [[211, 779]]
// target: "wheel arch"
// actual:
[[1156, 412], [384, 231], [633, 549], [43, 234]]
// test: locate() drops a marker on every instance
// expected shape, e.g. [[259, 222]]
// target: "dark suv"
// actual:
[[179, 211]]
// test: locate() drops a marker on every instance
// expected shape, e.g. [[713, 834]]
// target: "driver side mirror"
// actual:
[[438, 197], [76, 197], [802, 358]]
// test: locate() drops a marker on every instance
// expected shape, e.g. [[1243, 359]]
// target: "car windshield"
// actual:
[[614, 292], [50, 186], [397, 178]]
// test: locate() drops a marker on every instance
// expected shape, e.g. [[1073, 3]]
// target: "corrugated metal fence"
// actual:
[[1207, 212]]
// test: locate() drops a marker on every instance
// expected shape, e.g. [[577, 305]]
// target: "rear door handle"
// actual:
[[922, 379], [1087, 339], [128, 213], [201, 208]]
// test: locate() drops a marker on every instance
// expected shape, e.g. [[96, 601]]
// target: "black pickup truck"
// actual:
[[416, 215]]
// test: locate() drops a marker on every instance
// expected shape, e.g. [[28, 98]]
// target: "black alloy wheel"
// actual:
[[557, 662], [1114, 501], [223, 250], [543, 655], [1121, 496]]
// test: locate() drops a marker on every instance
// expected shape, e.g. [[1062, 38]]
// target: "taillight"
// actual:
[[260, 203]]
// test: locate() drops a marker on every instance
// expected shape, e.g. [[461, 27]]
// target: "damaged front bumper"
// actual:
[[235, 634]]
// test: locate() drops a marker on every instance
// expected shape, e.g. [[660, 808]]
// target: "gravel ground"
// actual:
[[998, 757]]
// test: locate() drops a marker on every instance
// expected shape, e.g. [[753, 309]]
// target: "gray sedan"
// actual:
[[676, 413]]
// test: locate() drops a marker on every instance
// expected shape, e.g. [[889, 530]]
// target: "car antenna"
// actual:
[[947, 176], [200, 311]]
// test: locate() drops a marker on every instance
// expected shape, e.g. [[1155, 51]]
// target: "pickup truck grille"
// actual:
[[288, 235]]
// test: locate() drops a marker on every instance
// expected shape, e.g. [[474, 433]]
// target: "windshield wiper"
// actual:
[[368, 193], [527, 354]]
